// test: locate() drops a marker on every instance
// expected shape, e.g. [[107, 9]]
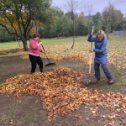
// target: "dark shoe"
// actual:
[[110, 82], [97, 81], [41, 71]]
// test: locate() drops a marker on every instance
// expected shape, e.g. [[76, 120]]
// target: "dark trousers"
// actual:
[[34, 61], [105, 70]]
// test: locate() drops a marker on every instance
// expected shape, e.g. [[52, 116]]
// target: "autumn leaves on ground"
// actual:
[[63, 93]]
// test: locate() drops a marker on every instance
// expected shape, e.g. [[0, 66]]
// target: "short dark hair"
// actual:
[[34, 36]]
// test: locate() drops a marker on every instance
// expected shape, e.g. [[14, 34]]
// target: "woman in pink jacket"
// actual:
[[35, 50]]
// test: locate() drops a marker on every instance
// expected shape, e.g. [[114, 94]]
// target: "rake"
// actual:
[[49, 62], [89, 78]]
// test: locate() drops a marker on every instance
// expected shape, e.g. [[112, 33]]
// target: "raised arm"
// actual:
[[91, 38]]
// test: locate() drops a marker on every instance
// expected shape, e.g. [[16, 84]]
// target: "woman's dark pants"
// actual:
[[34, 61], [105, 70]]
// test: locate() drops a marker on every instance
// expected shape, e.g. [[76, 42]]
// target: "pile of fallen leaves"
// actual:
[[61, 92]]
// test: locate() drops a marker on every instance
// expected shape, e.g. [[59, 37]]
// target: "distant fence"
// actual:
[[119, 33]]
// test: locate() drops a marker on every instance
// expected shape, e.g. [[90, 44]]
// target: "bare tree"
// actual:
[[89, 10], [72, 5]]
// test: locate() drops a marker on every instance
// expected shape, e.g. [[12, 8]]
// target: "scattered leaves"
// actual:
[[61, 92]]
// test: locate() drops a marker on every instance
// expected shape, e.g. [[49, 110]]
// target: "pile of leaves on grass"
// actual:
[[61, 92]]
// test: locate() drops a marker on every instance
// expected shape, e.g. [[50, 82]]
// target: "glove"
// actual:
[[90, 34], [40, 44], [91, 50]]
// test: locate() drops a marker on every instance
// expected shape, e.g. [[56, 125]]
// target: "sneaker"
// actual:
[[110, 82]]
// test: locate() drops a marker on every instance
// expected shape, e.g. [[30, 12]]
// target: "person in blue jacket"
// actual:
[[100, 55]]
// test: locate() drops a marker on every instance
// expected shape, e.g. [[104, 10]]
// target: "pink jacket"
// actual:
[[34, 47]]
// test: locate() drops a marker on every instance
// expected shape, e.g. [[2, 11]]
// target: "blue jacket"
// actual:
[[100, 49]]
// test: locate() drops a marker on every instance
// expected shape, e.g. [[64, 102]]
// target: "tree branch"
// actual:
[[9, 32], [30, 28], [18, 19], [29, 20], [23, 24], [10, 23]]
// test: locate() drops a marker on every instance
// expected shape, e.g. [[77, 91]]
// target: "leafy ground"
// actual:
[[27, 110]]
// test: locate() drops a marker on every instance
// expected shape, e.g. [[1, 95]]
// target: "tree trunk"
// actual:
[[107, 34], [36, 27], [25, 45], [73, 34]]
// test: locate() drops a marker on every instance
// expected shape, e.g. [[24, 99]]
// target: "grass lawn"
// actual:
[[15, 44], [27, 110], [60, 49], [117, 40]]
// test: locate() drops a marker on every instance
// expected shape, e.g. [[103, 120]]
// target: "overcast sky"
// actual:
[[91, 6]]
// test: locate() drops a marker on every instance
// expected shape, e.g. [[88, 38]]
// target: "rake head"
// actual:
[[50, 64], [88, 79]]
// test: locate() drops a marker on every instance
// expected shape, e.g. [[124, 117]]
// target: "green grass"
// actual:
[[8, 44], [67, 39], [54, 40], [117, 40]]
